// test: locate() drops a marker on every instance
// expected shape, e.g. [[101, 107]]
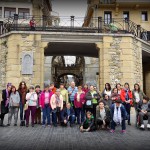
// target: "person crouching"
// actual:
[[118, 116]]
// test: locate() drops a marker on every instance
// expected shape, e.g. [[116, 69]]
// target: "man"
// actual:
[[38, 109], [144, 110], [68, 115], [72, 90]]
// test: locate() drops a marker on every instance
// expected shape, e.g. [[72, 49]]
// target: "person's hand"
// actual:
[[104, 122], [81, 128], [65, 121], [142, 111], [88, 129], [145, 112]]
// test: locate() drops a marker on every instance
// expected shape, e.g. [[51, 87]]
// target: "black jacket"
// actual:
[[89, 96]]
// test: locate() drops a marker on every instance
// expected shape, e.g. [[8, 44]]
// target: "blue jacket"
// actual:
[[123, 112], [64, 114]]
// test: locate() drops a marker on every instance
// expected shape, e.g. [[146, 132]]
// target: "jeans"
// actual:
[[80, 112], [46, 114], [13, 111], [22, 113], [72, 119], [123, 124], [54, 115], [38, 115], [33, 110], [128, 108]]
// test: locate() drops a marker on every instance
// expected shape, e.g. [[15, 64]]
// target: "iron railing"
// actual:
[[75, 24]]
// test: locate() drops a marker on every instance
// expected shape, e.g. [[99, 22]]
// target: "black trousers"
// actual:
[[100, 122]]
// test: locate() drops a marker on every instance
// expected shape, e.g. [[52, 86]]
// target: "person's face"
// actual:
[[144, 101], [101, 105], [72, 84], [46, 89], [13, 89], [37, 89], [91, 88], [68, 106], [115, 90], [126, 86], [9, 88], [31, 90], [106, 97], [118, 87], [51, 87], [61, 86], [79, 89], [85, 86], [136, 87], [117, 104], [88, 116], [22, 84], [95, 88], [107, 86]]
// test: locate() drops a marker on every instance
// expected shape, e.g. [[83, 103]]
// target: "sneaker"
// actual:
[[123, 131], [15, 124], [49, 125], [142, 126], [32, 125], [8, 124], [112, 131], [148, 126], [27, 125], [43, 126]]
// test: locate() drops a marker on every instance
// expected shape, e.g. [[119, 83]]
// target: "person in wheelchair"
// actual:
[[144, 111]]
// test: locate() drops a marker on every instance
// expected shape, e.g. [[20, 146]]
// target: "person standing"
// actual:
[[57, 106], [32, 24], [64, 93], [85, 88], [126, 97], [5, 103], [79, 101], [38, 109], [22, 91], [52, 88], [31, 98], [92, 98], [119, 88], [45, 104], [107, 90], [72, 90], [13, 106]]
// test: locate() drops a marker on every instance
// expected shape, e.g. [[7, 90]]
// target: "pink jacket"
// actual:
[[53, 102], [42, 98], [79, 104]]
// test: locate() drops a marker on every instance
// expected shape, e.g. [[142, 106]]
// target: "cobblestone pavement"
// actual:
[[51, 138]]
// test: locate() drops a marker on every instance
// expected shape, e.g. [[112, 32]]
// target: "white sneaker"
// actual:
[[148, 126], [142, 126]]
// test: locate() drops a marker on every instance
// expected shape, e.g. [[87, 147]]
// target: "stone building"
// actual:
[[108, 51]]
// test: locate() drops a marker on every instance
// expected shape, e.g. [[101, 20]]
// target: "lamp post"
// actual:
[[15, 21]]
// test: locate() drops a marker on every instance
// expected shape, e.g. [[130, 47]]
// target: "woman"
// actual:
[[85, 88], [118, 86], [107, 90], [107, 101], [92, 98], [57, 106], [13, 106], [138, 95], [5, 102], [64, 93], [115, 95], [102, 116], [79, 101], [45, 104], [126, 97], [22, 91], [31, 98]]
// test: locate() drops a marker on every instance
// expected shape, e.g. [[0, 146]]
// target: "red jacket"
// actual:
[[79, 104], [42, 99], [123, 94]]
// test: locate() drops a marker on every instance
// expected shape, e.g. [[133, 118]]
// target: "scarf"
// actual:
[[78, 96], [117, 115], [127, 94], [23, 95], [57, 100]]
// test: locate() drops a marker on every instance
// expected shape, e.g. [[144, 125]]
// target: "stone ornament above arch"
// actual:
[[27, 63]]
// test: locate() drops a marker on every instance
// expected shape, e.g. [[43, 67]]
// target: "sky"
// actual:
[[70, 7]]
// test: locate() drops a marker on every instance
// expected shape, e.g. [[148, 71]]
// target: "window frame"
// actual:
[[10, 10], [107, 20], [25, 12], [145, 17]]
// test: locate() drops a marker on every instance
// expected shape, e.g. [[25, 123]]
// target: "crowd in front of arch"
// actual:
[[82, 105]]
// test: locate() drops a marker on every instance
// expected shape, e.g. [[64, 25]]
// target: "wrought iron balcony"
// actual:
[[75, 24], [107, 1]]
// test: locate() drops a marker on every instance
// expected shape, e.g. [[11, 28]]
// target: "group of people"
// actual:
[[84, 105]]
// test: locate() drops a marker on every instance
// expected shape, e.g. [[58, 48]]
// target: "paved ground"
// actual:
[[38, 138]]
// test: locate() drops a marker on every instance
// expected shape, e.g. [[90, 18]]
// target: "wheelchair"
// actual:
[[137, 123]]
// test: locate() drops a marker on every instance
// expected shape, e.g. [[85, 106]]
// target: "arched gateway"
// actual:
[[108, 57]]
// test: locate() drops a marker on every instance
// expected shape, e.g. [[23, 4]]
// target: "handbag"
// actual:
[[89, 104], [25, 107]]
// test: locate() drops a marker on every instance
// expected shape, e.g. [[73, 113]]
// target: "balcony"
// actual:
[[107, 1]]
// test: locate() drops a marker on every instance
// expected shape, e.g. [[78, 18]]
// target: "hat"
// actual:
[[118, 101], [46, 85], [58, 90]]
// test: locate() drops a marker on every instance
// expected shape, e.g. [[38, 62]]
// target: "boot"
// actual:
[[1, 124]]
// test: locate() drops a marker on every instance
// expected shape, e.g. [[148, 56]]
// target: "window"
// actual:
[[107, 17], [144, 16], [9, 12], [23, 13], [126, 14], [0, 12]]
